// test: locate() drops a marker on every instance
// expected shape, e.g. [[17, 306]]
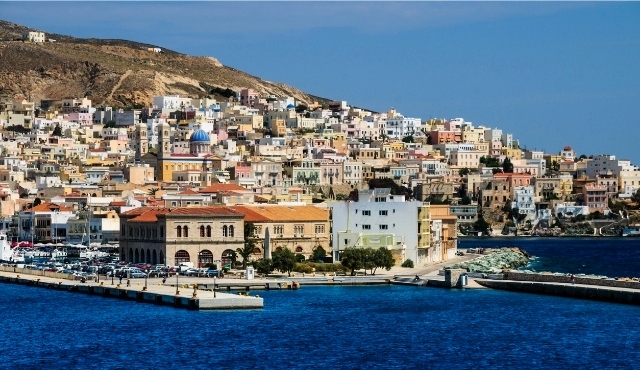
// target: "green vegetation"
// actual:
[[389, 183], [490, 161], [284, 260], [367, 259], [227, 93], [57, 131], [507, 166], [407, 263], [249, 244]]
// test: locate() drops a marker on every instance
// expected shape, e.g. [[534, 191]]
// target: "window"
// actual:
[[179, 231], [202, 231], [384, 227], [185, 230], [366, 213], [298, 229], [278, 229], [225, 231], [231, 230], [366, 227], [383, 212], [208, 231]]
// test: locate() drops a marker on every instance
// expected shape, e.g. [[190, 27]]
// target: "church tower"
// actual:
[[164, 149], [141, 141]]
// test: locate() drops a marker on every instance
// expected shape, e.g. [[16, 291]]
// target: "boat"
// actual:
[[631, 230], [7, 254]]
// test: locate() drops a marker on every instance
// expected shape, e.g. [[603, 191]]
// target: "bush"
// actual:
[[408, 263], [308, 267], [211, 266]]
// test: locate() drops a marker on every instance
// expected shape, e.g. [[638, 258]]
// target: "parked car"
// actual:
[[137, 274], [191, 272], [158, 273], [211, 273]]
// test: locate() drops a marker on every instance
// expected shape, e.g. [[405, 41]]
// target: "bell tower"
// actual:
[[164, 149], [141, 141]]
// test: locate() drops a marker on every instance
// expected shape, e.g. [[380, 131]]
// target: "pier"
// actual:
[[190, 296], [601, 289]]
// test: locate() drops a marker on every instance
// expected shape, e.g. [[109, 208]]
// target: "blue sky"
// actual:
[[553, 74]]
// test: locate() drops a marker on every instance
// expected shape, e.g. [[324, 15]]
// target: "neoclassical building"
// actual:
[[172, 236]]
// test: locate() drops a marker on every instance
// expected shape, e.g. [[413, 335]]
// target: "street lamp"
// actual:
[[214, 286]]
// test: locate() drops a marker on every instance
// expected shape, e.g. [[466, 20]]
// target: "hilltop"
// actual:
[[117, 73]]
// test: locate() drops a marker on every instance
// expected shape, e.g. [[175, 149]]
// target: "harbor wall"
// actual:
[[600, 293], [25, 271], [584, 280]]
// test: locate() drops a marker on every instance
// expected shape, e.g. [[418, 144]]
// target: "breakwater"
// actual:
[[585, 287], [495, 261]]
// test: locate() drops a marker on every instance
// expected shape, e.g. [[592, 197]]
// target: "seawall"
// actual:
[[605, 290]]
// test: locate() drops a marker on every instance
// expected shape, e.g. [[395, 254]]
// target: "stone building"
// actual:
[[172, 236]]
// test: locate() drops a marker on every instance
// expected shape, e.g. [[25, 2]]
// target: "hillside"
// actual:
[[117, 73]]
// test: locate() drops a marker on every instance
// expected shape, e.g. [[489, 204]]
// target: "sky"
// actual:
[[551, 73]]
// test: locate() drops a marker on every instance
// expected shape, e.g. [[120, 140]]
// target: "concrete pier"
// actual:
[[191, 296], [566, 289]]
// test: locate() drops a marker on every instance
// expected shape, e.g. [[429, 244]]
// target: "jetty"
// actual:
[[584, 287], [190, 296]]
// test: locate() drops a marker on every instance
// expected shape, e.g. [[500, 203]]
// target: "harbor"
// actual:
[[185, 295]]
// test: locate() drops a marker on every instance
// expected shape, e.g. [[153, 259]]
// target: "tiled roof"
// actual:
[[150, 214], [48, 207], [188, 192], [272, 213], [215, 188]]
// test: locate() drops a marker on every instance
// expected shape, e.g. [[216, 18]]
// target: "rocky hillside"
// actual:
[[117, 73]]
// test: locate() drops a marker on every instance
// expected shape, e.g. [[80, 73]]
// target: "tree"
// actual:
[[109, 124], [351, 258], [57, 131], [481, 224], [555, 166], [464, 172], [319, 254], [408, 139], [153, 191], [465, 200], [301, 108], [284, 260], [37, 202], [249, 243], [382, 258], [264, 267], [507, 166], [389, 183]]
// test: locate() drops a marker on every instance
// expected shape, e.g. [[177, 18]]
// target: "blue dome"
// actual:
[[290, 106], [200, 136]]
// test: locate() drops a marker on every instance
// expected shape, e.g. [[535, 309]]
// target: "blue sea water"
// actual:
[[613, 257], [367, 327]]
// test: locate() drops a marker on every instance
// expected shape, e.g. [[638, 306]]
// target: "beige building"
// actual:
[[197, 235]]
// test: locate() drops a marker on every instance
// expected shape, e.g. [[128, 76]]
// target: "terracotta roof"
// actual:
[[188, 192], [272, 213], [118, 203], [150, 214], [48, 207], [215, 188]]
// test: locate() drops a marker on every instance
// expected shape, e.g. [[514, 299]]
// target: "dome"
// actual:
[[290, 106], [200, 136]]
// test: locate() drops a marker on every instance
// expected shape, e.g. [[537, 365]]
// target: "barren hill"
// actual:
[[117, 73]]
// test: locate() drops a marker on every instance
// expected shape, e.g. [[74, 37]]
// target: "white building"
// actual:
[[378, 217], [523, 201], [570, 210], [401, 126], [33, 36]]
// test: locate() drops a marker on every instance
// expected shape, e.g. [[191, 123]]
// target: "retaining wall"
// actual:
[[606, 282]]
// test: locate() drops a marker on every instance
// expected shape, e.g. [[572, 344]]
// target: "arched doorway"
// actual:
[[299, 249], [148, 259], [205, 257], [136, 256], [181, 256], [228, 258], [130, 259], [162, 259], [154, 257]]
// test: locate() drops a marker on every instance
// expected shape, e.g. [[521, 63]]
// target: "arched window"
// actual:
[[256, 250], [179, 231], [181, 256], [208, 231], [224, 231], [202, 231], [231, 230], [299, 249], [185, 229]]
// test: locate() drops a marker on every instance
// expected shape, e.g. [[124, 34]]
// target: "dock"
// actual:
[[189, 296]]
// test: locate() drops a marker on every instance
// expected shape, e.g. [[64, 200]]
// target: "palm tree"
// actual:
[[153, 191], [249, 243]]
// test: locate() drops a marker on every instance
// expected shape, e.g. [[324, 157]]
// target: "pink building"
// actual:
[[441, 137], [83, 119], [249, 97], [595, 197], [242, 171]]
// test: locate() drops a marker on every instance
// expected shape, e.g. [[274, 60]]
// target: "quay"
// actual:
[[602, 289], [190, 296]]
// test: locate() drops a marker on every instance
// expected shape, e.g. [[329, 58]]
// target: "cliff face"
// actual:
[[117, 73]]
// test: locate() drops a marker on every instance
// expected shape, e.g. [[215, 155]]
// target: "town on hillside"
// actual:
[[198, 181]]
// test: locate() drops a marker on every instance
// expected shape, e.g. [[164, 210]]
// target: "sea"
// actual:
[[342, 327]]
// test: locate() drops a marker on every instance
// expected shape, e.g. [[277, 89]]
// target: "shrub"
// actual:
[[408, 263]]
